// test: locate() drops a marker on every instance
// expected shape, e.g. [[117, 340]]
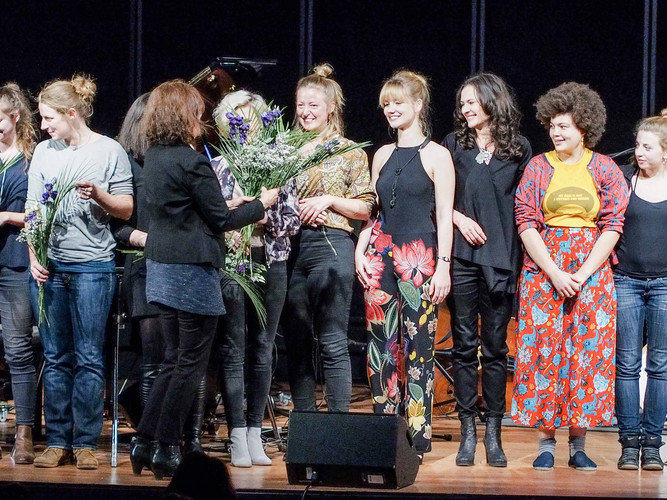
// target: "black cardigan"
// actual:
[[187, 213]]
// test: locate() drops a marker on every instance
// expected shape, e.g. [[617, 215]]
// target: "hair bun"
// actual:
[[85, 87], [324, 70]]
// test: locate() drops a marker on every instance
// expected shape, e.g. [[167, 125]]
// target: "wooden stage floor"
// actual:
[[438, 476]]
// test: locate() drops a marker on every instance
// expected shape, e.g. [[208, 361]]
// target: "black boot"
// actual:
[[140, 454], [495, 456], [629, 459], [192, 430], [165, 460], [651, 459], [466, 454]]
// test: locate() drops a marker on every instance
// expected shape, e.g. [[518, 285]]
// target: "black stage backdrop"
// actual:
[[533, 45]]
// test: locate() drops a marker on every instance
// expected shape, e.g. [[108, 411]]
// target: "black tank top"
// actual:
[[642, 250], [411, 191]]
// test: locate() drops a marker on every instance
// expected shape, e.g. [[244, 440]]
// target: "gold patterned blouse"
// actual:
[[346, 176]]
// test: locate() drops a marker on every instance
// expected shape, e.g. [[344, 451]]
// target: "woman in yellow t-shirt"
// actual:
[[569, 210]]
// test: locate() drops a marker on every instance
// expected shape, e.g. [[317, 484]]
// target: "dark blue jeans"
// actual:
[[469, 302], [246, 349], [16, 315], [77, 306], [319, 292], [642, 313]]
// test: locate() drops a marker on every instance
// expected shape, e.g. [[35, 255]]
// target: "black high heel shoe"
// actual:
[[165, 461], [140, 454]]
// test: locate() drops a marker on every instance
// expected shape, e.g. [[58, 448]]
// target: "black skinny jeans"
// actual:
[[319, 292], [247, 352], [187, 339], [470, 300]]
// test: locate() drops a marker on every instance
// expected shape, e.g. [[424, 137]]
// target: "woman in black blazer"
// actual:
[[184, 250]]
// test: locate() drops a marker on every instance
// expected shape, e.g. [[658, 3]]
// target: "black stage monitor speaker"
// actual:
[[350, 449]]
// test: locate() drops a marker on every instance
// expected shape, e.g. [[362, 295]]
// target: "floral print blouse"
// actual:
[[283, 217], [346, 175]]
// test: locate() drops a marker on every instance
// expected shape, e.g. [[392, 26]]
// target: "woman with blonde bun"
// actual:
[[403, 257], [80, 280], [321, 266], [640, 278], [17, 140]]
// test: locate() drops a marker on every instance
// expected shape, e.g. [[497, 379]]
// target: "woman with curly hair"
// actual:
[[187, 217], [641, 284], [489, 158], [403, 258], [570, 207], [17, 140]]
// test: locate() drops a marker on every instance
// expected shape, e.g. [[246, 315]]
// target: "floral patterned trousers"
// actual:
[[565, 360], [401, 322]]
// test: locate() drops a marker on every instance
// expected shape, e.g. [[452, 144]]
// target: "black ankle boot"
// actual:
[[165, 460], [192, 429], [629, 459], [466, 454], [140, 454], [651, 459], [495, 456]]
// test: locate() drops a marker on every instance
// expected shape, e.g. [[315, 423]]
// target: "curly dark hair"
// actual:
[[173, 114], [579, 101], [499, 102]]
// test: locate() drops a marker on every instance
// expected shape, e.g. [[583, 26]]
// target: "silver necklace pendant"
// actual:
[[484, 156]]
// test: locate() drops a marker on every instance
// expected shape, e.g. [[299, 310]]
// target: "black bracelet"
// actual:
[[446, 259]]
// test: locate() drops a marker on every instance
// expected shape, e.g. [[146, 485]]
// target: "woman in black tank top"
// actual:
[[403, 256], [641, 286]]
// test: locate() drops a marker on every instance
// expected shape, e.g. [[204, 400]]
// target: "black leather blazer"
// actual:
[[187, 213]]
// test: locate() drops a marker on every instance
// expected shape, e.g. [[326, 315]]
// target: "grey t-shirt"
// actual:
[[81, 231]]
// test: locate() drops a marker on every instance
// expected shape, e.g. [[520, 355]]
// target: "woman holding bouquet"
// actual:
[[79, 280], [489, 158], [403, 259], [187, 219], [321, 265], [270, 247], [17, 140]]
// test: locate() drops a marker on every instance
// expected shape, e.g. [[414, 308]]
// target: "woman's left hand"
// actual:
[[311, 208], [440, 285], [86, 190]]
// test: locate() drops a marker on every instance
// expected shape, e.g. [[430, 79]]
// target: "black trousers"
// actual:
[[187, 339], [469, 302]]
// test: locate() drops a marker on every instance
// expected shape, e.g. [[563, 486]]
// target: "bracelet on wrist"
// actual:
[[445, 259]]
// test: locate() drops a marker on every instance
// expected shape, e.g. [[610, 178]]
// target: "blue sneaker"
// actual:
[[544, 462], [581, 462]]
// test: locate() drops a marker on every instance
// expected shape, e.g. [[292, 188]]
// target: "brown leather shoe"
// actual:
[[53, 457], [85, 458], [23, 451]]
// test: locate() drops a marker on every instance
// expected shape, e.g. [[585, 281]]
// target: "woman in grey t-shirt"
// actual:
[[80, 279]]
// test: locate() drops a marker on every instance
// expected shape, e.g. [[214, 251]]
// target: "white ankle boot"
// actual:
[[239, 448], [256, 448]]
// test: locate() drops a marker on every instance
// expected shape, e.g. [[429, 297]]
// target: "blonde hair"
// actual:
[[656, 125], [319, 79], [77, 93], [13, 101], [413, 86], [234, 100]]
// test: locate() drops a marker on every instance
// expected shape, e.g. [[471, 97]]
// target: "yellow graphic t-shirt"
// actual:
[[571, 199]]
